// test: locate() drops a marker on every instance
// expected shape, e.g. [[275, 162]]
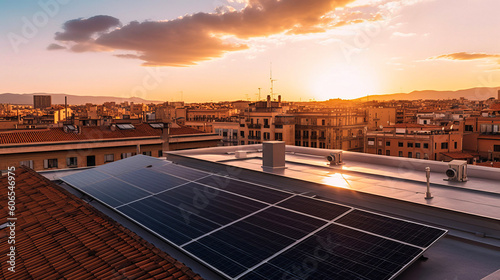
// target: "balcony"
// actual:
[[254, 138], [266, 126], [256, 126], [313, 137]]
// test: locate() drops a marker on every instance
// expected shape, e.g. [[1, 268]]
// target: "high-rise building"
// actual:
[[42, 101]]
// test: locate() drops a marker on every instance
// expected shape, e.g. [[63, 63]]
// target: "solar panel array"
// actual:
[[246, 231]]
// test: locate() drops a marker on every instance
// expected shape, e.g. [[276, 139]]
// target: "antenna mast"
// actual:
[[271, 79]]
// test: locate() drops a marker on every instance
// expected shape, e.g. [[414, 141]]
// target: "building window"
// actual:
[[426, 145], [417, 155], [455, 145], [267, 136], [109, 158], [388, 143], [242, 133], [469, 127], [417, 145], [444, 145], [148, 153], [160, 153], [400, 153], [322, 122], [126, 155], [410, 155], [50, 163], [314, 144], [278, 136], [27, 163], [387, 152], [322, 145], [297, 143], [306, 134], [379, 152], [242, 142], [305, 144], [72, 162], [371, 141], [496, 148], [426, 156], [409, 144], [400, 144]]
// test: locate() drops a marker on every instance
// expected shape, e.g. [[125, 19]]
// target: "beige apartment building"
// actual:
[[330, 128], [414, 141]]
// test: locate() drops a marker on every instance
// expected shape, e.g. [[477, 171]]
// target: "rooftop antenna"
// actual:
[[271, 79], [259, 95]]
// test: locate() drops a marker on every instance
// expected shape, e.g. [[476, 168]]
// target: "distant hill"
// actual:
[[58, 98], [480, 93]]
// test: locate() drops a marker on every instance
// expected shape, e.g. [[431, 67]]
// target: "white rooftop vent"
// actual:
[[457, 171], [335, 158], [240, 154]]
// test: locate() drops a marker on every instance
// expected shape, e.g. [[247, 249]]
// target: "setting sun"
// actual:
[[342, 82]]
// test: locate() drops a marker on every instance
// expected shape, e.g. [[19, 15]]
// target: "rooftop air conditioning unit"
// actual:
[[457, 171], [335, 158]]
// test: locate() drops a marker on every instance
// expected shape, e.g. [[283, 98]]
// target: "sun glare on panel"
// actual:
[[345, 83]]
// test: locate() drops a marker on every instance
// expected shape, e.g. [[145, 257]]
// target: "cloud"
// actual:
[[200, 36], [53, 47], [466, 56], [81, 30]]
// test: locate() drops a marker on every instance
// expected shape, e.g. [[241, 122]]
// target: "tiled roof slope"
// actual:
[[58, 236], [88, 133]]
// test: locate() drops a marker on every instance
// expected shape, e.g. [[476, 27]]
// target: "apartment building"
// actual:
[[482, 133], [266, 121], [414, 141], [330, 128], [74, 146]]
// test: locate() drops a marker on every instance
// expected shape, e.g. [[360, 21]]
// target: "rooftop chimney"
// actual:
[[279, 99], [498, 94], [273, 155], [269, 101]]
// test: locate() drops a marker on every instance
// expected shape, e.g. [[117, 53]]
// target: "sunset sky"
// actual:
[[213, 50]]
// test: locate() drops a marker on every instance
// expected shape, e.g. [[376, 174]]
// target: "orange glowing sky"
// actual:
[[213, 50]]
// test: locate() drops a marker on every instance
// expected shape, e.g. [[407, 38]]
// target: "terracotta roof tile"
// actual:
[[60, 236], [87, 133]]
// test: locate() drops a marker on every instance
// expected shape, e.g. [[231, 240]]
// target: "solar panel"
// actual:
[[156, 125], [181, 171], [238, 247], [317, 208], [338, 252], [125, 126], [408, 232], [156, 181], [246, 231], [261, 193]]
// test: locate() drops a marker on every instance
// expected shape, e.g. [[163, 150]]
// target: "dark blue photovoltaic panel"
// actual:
[[337, 252], [85, 178], [181, 171], [212, 204], [247, 189], [123, 166], [114, 192], [248, 242], [167, 220], [217, 260], [314, 207], [408, 232], [152, 181]]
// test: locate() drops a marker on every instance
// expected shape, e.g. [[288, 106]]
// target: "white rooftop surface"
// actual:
[[404, 179]]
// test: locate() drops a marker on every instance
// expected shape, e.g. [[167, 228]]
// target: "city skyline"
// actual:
[[222, 50]]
